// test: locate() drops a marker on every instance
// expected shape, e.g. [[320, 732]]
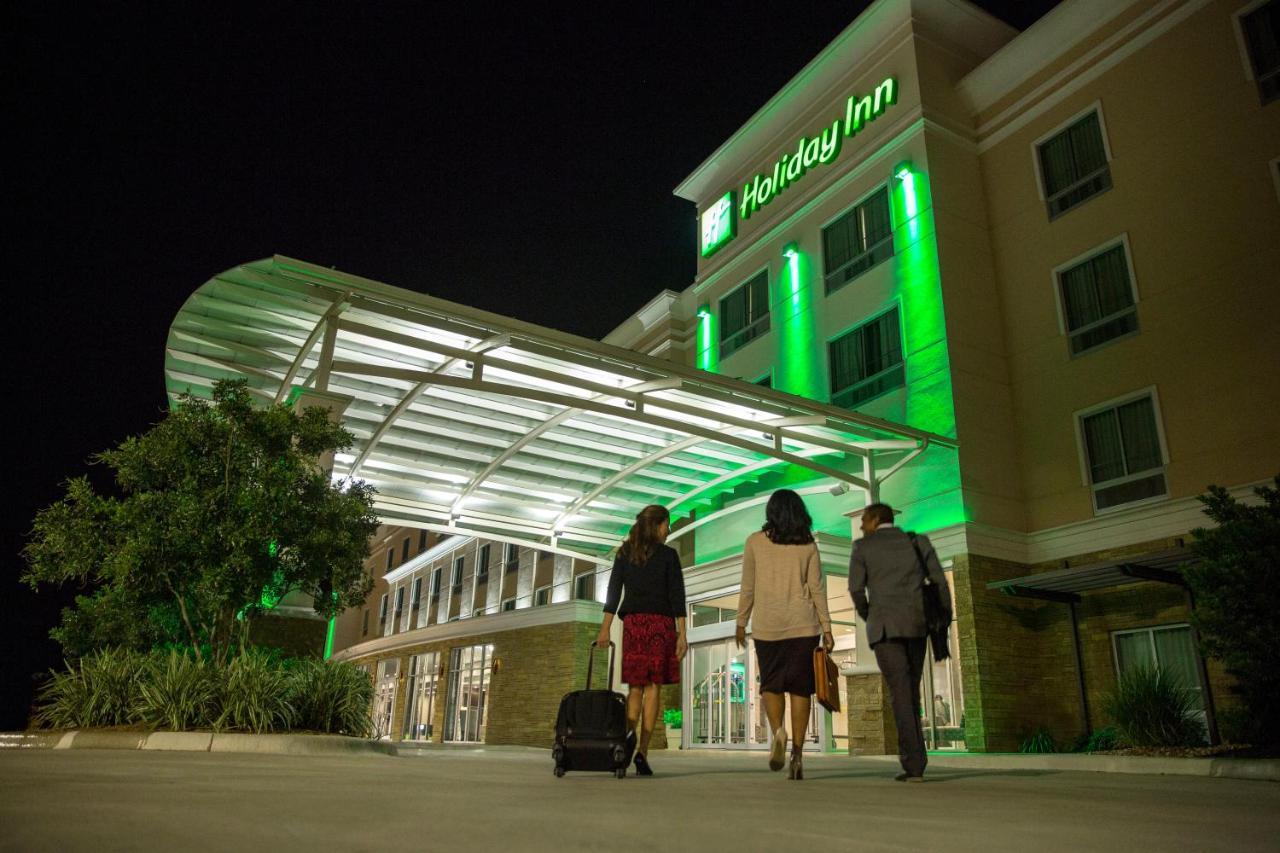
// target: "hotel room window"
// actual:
[[1098, 300], [857, 241], [457, 573], [1074, 165], [482, 566], [1124, 453], [744, 314], [1262, 38], [867, 361]]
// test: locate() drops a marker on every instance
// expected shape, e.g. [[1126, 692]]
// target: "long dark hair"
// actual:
[[787, 522], [642, 540]]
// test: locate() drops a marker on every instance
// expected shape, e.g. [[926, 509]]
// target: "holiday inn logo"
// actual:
[[717, 225], [818, 150]]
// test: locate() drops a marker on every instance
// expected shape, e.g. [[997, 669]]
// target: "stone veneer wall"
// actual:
[[537, 666]]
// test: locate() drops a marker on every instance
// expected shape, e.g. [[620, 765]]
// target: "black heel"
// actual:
[[796, 771], [642, 766]]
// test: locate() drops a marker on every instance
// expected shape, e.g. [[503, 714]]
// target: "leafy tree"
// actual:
[[224, 510], [1237, 596]]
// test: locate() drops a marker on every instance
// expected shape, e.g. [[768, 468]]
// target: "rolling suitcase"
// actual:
[[591, 728]]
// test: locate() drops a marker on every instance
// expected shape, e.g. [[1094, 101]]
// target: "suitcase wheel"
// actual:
[[621, 772], [559, 771]]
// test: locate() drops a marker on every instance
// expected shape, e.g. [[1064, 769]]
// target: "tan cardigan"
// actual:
[[783, 586]]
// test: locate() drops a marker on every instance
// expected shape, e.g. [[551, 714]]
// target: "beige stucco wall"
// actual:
[[1191, 190]]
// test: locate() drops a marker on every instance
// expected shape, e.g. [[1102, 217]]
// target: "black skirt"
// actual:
[[786, 666]]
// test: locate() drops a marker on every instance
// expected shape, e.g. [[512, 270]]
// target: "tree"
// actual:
[[1236, 586], [223, 510]]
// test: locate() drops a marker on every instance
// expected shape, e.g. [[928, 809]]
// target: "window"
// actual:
[[416, 598], [1098, 300], [1262, 39], [584, 586], [482, 568], [364, 625], [513, 557], [744, 314], [435, 584], [457, 573], [479, 611], [382, 613], [542, 596], [867, 361], [1168, 648], [1074, 165], [422, 541], [391, 558], [857, 241], [399, 601], [404, 551], [509, 604], [1124, 453], [765, 381]]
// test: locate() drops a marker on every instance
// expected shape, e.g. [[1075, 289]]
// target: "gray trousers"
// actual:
[[901, 660]]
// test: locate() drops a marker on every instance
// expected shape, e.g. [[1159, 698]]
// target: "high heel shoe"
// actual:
[[797, 766], [778, 749]]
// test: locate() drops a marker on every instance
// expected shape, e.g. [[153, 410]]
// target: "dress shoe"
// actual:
[[777, 750], [906, 777], [642, 765]]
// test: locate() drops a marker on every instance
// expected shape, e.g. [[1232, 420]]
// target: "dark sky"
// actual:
[[518, 159]]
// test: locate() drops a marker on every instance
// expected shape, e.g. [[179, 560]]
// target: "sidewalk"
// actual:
[[506, 798]]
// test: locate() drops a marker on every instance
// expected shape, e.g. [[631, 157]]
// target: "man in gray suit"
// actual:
[[885, 581]]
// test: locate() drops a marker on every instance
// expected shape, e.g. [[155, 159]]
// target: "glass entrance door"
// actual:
[[423, 682], [467, 711], [723, 701], [384, 697]]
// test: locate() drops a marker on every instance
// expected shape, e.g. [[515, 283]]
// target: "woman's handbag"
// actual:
[[826, 679]]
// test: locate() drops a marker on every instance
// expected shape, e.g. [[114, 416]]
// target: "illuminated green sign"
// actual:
[[818, 150], [717, 225]]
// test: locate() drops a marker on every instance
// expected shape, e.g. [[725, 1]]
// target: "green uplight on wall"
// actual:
[[708, 355], [799, 360]]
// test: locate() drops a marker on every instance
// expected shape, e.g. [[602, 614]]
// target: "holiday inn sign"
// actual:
[[821, 149]]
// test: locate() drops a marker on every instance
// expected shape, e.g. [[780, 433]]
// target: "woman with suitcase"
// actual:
[[784, 596], [646, 589]]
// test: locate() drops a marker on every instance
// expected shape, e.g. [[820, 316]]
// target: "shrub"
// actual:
[[1151, 707], [1237, 592], [672, 718], [254, 695], [1103, 740], [178, 692], [331, 697], [1040, 741], [63, 701], [100, 690]]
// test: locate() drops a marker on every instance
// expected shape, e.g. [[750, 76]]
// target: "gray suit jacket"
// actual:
[[884, 569]]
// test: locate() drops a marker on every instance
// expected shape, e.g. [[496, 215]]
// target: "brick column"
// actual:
[[871, 727]]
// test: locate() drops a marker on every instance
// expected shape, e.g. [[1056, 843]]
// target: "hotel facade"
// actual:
[[1021, 286]]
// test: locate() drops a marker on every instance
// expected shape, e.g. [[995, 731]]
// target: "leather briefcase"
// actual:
[[826, 679]]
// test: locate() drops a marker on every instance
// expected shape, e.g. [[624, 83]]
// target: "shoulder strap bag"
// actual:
[[937, 621]]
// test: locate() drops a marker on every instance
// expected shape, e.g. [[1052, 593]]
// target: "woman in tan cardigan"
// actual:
[[784, 596]]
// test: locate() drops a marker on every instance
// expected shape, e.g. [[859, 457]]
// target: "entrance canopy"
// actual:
[[473, 423]]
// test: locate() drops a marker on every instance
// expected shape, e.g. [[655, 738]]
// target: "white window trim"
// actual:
[[1151, 630], [538, 590], [768, 271], [1055, 278], [881, 185], [1237, 24], [502, 607], [1096, 106], [1082, 451], [902, 341]]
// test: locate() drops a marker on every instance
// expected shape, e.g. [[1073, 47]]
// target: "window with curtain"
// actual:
[[867, 361], [1097, 300], [1123, 449], [1168, 648], [744, 314], [1074, 165], [857, 241], [1262, 36]]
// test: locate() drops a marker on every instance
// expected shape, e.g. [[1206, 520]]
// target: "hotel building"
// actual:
[[1021, 286]]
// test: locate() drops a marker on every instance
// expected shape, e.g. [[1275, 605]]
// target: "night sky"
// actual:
[[518, 161]]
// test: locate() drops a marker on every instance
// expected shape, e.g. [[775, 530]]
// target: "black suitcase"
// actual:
[[591, 728]]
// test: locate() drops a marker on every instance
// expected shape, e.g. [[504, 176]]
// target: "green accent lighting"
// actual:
[[708, 355], [799, 359]]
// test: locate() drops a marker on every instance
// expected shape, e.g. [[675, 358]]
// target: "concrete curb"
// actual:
[[278, 744], [1263, 769]]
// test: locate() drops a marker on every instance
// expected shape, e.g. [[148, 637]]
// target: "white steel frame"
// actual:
[[474, 424]]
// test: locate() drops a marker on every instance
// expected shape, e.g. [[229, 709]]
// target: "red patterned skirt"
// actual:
[[649, 650]]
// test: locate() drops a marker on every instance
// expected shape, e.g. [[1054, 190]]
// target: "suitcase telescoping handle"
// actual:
[[591, 659]]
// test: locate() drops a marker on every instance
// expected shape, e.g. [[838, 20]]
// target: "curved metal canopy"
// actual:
[[470, 422]]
